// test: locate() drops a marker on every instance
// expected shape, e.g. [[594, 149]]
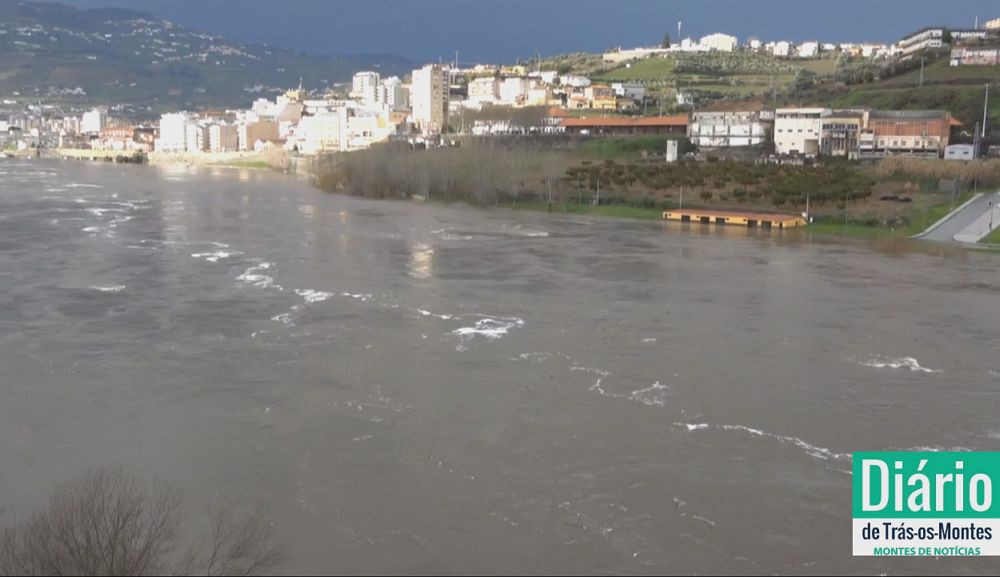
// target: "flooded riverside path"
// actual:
[[416, 388]]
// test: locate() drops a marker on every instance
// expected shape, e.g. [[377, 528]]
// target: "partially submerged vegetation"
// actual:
[[628, 177]]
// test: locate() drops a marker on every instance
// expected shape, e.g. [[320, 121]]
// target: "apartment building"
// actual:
[[93, 121], [429, 98], [364, 87], [173, 132], [921, 40], [727, 125], [223, 137]]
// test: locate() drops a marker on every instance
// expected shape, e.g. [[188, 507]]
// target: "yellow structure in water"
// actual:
[[748, 219]]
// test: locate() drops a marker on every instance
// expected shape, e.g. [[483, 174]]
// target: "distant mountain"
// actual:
[[58, 52]]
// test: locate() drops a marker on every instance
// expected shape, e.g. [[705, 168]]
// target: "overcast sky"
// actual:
[[504, 30]]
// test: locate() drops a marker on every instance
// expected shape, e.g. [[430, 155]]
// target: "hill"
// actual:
[[831, 79], [60, 53]]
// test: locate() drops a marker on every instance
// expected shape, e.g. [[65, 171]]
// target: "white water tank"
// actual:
[[671, 151]]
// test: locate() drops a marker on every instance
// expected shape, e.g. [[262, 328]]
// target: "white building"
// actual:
[[197, 137], [992, 24], [632, 90], [960, 152], [720, 42], [921, 40], [781, 49], [325, 132], [513, 90], [483, 91], [726, 125], [808, 50], [429, 98], [574, 81], [364, 87], [173, 132], [393, 94], [93, 121], [798, 131], [367, 128], [618, 56]]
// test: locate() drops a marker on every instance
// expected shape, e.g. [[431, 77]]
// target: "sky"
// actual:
[[505, 30]]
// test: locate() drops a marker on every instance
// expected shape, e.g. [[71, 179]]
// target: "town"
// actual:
[[439, 101]]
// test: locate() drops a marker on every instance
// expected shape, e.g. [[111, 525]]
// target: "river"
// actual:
[[420, 388]]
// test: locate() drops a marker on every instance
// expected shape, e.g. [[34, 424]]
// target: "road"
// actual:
[[969, 223]]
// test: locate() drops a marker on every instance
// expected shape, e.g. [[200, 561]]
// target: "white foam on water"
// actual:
[[489, 327], [284, 318], [82, 185], [313, 296], [536, 357], [445, 235], [109, 289], [653, 395], [703, 520], [897, 363], [693, 426], [287, 319], [363, 297], [216, 256], [937, 449], [814, 451], [428, 313], [538, 234], [254, 276], [103, 211], [651, 340]]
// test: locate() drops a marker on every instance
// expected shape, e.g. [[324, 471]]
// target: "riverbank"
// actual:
[[855, 220]]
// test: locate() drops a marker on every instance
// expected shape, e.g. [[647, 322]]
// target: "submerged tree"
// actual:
[[107, 523]]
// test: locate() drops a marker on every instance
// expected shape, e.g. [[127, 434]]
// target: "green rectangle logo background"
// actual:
[[937, 463]]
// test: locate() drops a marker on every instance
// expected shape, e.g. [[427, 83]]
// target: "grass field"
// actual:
[[618, 148], [660, 71], [992, 238], [646, 70], [941, 72], [965, 102]]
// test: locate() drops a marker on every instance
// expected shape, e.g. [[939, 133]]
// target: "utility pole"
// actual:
[[986, 108], [975, 142], [921, 71]]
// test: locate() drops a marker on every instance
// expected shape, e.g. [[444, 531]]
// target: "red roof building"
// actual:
[[676, 124]]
